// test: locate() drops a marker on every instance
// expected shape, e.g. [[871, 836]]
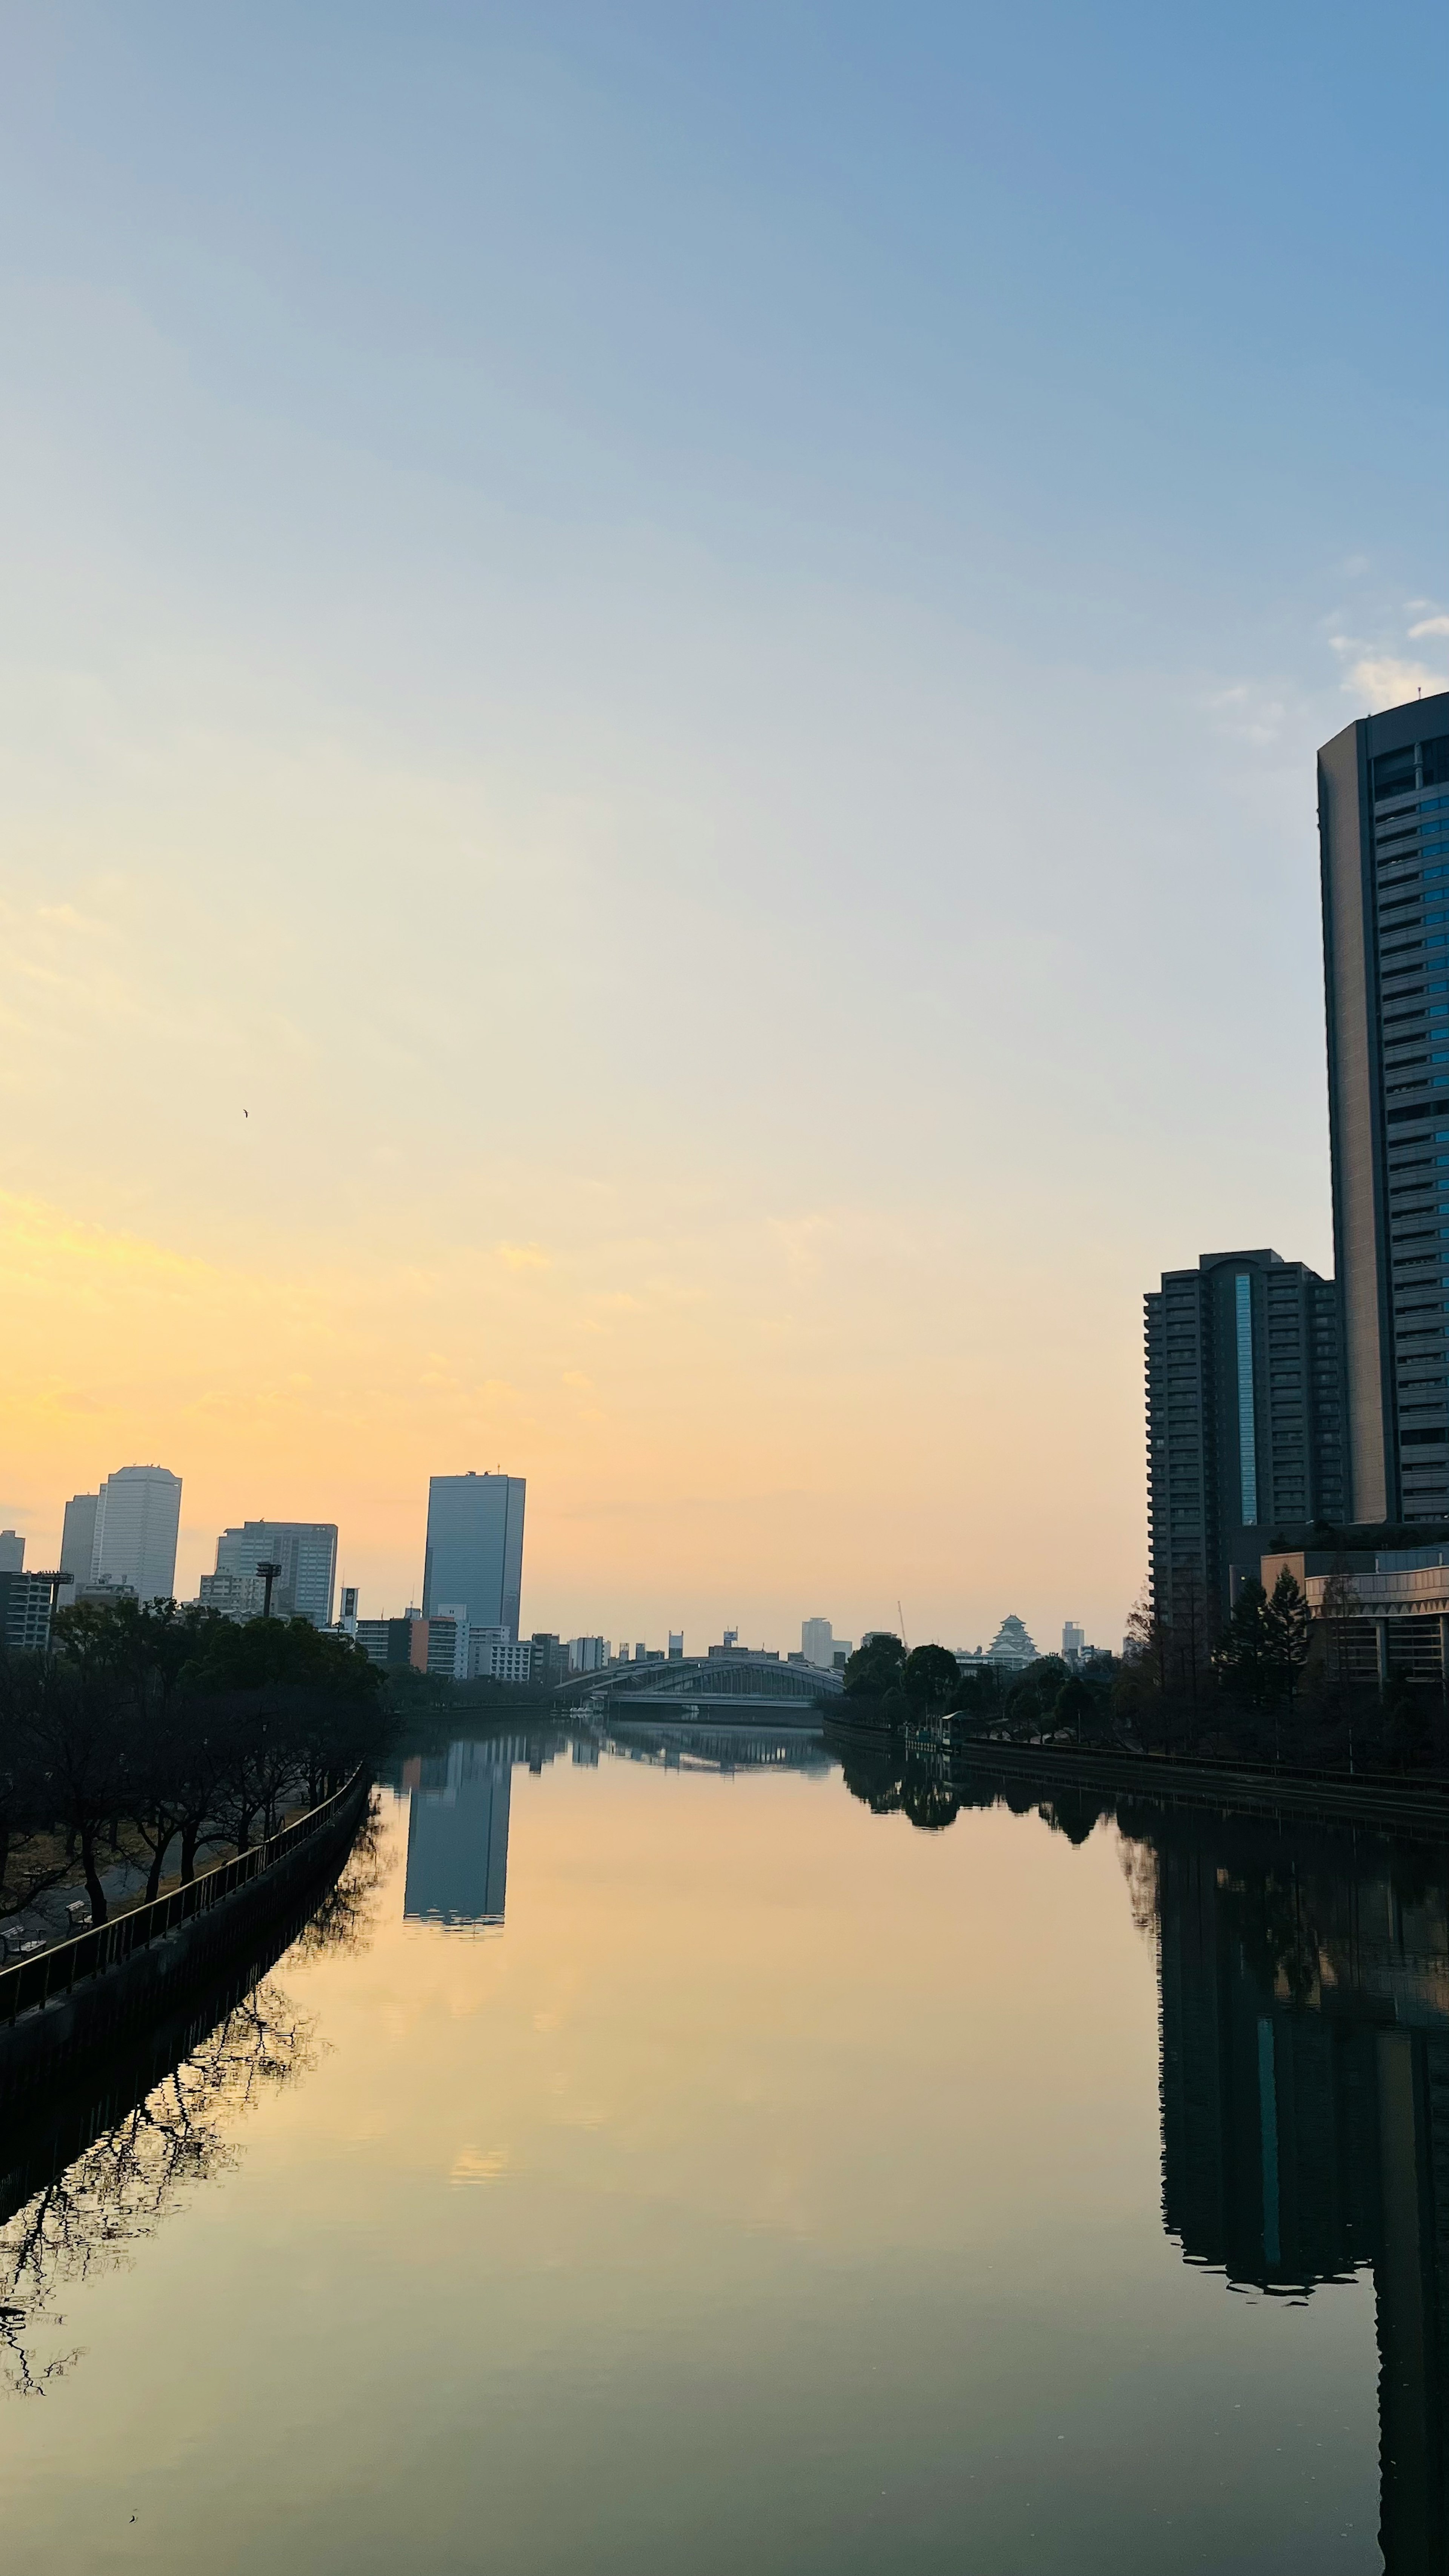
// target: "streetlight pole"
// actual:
[[55, 1579], [269, 1573]]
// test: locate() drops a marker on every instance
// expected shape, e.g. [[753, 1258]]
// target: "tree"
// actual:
[[1191, 1635], [83, 1753], [173, 1786], [1074, 1707], [1243, 1659], [1146, 1643], [876, 1667], [931, 1677], [1032, 1697], [286, 1708], [1287, 1633], [978, 1698], [1139, 1681], [141, 1661], [1340, 1689], [1339, 1608], [31, 1859], [179, 1723], [1406, 1725]]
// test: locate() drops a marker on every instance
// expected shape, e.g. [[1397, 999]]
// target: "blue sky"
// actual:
[[693, 640]]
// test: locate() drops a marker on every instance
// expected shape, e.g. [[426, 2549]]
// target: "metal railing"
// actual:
[[1428, 1792], [67, 1964]]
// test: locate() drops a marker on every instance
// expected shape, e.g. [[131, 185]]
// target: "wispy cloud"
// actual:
[[1244, 712], [1384, 680], [1378, 676]]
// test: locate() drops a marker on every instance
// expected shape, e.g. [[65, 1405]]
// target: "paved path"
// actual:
[[39, 1925]]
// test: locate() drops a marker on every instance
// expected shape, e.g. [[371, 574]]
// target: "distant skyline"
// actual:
[[226, 1548], [661, 677]]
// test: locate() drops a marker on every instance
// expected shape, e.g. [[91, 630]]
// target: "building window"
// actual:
[[1247, 1441]]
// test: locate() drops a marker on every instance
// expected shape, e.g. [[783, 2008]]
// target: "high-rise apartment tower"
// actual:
[[475, 1549], [1244, 1423], [1383, 820]]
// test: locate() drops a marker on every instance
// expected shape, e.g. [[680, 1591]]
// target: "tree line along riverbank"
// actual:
[[1269, 1684], [169, 1736]]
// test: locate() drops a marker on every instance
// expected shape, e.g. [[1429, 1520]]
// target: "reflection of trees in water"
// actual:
[[1310, 1908], [930, 1790], [892, 1782], [140, 2169], [83, 2221], [347, 1915]]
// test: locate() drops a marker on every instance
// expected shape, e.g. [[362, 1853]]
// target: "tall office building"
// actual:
[[817, 1643], [138, 1516], [1244, 1423], [306, 1551], [78, 1544], [475, 1548], [12, 1552], [1383, 819]]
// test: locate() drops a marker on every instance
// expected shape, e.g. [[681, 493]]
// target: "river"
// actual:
[[662, 2163]]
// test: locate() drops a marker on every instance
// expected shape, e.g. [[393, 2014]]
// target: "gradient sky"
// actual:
[[684, 647]]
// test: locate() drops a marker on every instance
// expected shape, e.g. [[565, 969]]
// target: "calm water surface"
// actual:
[[654, 2168]]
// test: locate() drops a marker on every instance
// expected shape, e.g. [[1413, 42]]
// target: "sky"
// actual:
[[659, 670]]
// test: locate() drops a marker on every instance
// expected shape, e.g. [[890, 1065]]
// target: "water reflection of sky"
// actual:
[[787, 2179]]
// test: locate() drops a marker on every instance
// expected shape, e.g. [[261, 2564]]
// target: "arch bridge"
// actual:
[[730, 1681]]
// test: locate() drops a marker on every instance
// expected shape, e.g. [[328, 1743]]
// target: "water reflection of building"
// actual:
[[1305, 2103], [457, 1871]]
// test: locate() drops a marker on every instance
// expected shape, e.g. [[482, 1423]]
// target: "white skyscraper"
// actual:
[[817, 1643], [12, 1552], [138, 1516]]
